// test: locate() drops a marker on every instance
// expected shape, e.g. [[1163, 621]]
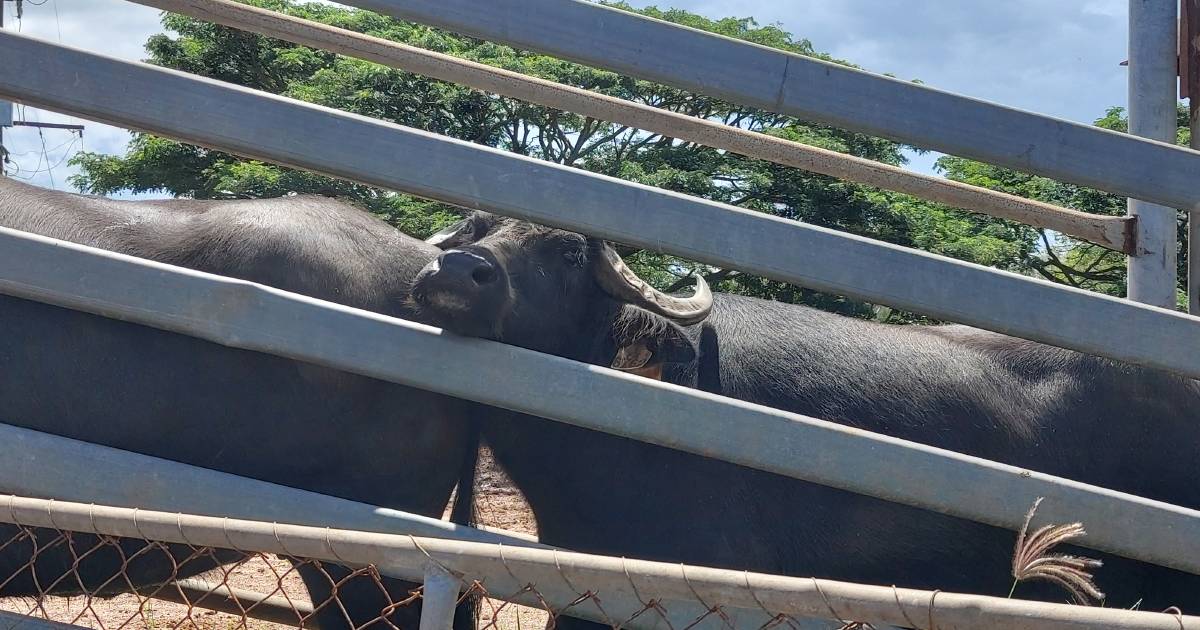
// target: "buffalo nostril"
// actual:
[[484, 274], [458, 270]]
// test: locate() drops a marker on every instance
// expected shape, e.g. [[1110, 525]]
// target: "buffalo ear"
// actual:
[[636, 358], [645, 342], [444, 238]]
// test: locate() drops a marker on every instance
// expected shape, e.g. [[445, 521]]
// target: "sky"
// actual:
[[1056, 57]]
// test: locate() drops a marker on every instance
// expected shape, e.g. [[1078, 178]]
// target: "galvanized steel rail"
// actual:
[[45, 465], [40, 464], [811, 89], [245, 315], [1153, 68], [1112, 232], [353, 147], [623, 583], [253, 317]]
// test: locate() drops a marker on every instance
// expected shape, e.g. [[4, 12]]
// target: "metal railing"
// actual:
[[615, 591], [811, 89], [249, 316], [1111, 232], [39, 464], [244, 315], [254, 124]]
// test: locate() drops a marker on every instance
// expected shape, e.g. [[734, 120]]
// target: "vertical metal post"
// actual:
[[1153, 49], [1189, 51], [438, 598], [3, 105]]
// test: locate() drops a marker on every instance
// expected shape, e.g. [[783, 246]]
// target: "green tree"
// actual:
[[156, 164], [1058, 257]]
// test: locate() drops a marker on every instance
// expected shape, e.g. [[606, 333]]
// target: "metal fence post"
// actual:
[[439, 598], [1189, 61], [1153, 69]]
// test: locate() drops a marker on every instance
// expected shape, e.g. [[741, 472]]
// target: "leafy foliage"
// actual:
[[156, 164], [1060, 258]]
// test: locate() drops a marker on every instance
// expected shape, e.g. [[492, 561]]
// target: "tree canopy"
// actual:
[[152, 163], [1064, 259]]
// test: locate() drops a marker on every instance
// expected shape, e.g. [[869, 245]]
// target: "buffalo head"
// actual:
[[554, 291]]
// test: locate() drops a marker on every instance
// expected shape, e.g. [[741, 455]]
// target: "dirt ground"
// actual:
[[499, 504]]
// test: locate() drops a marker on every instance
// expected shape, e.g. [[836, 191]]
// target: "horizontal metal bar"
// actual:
[[40, 464], [623, 584], [16, 621], [237, 601], [1112, 232], [344, 145], [816, 90], [253, 317], [45, 465]]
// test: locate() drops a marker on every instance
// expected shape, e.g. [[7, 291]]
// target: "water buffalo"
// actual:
[[954, 387], [250, 414]]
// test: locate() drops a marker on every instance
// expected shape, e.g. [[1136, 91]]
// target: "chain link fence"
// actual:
[[106, 582], [105, 567]]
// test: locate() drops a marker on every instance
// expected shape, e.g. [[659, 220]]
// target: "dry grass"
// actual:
[[1032, 559]]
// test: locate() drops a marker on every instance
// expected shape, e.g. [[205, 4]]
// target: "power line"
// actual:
[[44, 164], [49, 169], [56, 149], [24, 114]]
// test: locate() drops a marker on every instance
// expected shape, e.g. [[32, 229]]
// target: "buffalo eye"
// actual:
[[474, 229]]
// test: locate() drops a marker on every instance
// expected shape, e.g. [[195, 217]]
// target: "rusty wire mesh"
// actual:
[[104, 582], [101, 581], [109, 583], [204, 588]]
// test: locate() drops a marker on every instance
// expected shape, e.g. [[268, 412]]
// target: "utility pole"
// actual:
[[6, 107]]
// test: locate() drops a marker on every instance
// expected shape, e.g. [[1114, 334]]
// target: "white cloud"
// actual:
[[112, 27], [1058, 58], [1106, 8]]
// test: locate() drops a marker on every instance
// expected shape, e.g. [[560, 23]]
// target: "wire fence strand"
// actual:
[[106, 567]]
